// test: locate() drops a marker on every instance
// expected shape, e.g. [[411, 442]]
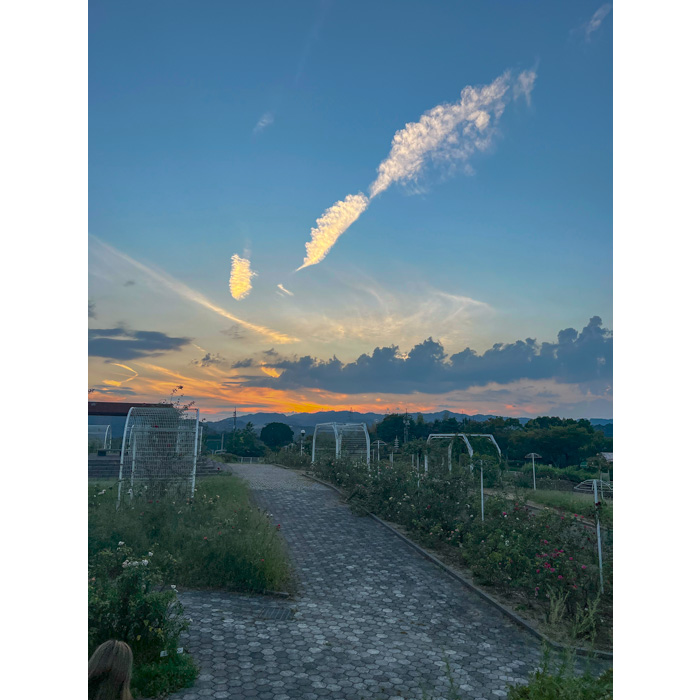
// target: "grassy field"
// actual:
[[572, 502], [219, 540]]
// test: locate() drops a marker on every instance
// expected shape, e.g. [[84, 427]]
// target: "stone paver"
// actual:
[[372, 619]]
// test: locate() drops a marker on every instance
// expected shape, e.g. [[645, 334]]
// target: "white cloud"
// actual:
[[334, 222], [241, 276], [445, 135]]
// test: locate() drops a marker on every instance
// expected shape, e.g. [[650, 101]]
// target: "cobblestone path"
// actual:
[[372, 618]]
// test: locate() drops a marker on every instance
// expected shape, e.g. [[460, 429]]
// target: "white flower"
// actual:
[[120, 544], [144, 562], [173, 586], [150, 554]]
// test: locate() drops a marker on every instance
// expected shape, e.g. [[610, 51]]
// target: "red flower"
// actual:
[[205, 538]]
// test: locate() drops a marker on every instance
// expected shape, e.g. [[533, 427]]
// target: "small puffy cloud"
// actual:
[[242, 363], [129, 283], [123, 344], [583, 358], [266, 120], [209, 359]]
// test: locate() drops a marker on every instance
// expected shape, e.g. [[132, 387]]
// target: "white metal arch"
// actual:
[[464, 436], [100, 434], [451, 437], [490, 437], [349, 438]]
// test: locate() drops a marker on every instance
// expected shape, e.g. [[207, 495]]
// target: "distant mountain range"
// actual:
[[307, 421]]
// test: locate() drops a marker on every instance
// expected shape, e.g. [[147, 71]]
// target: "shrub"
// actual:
[[165, 676], [127, 599], [564, 684]]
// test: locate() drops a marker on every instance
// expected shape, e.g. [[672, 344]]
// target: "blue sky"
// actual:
[[181, 179]]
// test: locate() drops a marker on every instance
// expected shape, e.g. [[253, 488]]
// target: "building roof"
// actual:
[[607, 456], [114, 408]]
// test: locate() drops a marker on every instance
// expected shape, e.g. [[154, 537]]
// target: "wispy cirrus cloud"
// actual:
[[598, 16], [265, 120], [240, 282], [286, 291], [445, 134]]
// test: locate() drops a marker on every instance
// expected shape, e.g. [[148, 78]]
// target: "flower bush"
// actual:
[[128, 599]]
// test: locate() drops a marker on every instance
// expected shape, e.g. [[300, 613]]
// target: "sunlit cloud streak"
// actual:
[[114, 382], [445, 134], [190, 294], [286, 291], [241, 275], [334, 222]]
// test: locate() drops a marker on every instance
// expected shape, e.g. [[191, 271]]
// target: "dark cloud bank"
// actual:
[[580, 358], [122, 344]]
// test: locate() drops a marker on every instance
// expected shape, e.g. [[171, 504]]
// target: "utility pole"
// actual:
[[235, 419], [406, 422]]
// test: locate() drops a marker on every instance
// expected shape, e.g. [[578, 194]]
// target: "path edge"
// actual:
[[596, 653]]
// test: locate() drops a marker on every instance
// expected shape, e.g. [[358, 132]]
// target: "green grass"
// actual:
[[218, 541], [572, 502]]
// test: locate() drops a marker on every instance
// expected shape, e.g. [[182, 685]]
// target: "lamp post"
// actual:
[[534, 456], [301, 442]]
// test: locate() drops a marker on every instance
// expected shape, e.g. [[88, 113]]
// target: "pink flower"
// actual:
[[571, 558], [538, 571], [583, 566], [560, 577]]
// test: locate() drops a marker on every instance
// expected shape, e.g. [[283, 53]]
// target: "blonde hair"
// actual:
[[109, 672]]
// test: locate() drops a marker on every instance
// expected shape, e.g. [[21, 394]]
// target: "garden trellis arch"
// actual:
[[463, 436], [100, 436], [341, 440], [159, 449]]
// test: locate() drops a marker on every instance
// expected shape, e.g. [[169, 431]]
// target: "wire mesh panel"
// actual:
[[99, 437], [159, 452], [332, 440], [354, 441]]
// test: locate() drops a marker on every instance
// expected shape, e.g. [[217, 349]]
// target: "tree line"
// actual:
[[561, 442]]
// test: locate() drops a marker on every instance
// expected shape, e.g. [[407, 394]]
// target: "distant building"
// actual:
[[112, 413], [607, 456]]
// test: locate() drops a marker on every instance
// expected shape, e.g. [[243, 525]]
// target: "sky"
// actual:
[[385, 206]]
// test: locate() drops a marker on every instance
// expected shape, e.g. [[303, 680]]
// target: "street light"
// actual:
[[301, 444], [534, 456]]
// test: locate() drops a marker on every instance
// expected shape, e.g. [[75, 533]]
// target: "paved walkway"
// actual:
[[372, 619]]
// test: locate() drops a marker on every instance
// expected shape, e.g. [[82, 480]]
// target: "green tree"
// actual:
[[392, 427], [245, 443], [275, 435]]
